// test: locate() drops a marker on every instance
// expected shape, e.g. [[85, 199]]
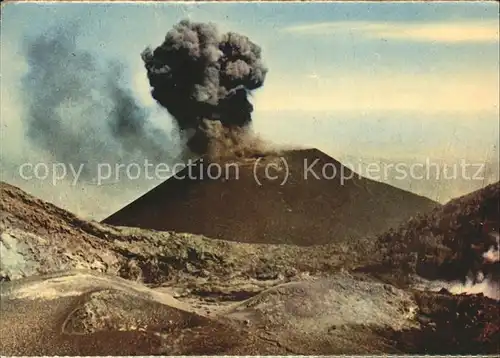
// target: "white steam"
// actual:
[[493, 254], [485, 285]]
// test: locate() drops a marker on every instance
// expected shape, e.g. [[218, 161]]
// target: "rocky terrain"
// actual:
[[73, 287]]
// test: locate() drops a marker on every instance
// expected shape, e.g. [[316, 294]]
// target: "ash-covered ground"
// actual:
[[73, 287]]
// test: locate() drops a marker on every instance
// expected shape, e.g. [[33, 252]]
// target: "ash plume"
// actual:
[[204, 79], [78, 108]]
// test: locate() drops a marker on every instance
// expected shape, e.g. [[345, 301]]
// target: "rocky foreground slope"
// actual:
[[89, 288]]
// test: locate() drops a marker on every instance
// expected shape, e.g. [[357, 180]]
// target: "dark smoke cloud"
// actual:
[[199, 75], [78, 108]]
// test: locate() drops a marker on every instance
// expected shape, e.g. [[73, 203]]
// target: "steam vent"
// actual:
[[302, 211]]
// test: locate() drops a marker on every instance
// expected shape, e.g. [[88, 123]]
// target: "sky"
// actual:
[[361, 81]]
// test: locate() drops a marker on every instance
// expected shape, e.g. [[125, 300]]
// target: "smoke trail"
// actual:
[[78, 108], [201, 77]]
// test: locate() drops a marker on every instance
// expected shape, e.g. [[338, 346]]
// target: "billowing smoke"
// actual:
[[486, 281], [481, 285], [204, 79], [78, 108], [493, 254]]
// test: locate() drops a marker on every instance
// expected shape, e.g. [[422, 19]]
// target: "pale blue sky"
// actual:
[[393, 80]]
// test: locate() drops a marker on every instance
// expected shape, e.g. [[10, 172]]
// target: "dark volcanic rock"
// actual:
[[452, 324]]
